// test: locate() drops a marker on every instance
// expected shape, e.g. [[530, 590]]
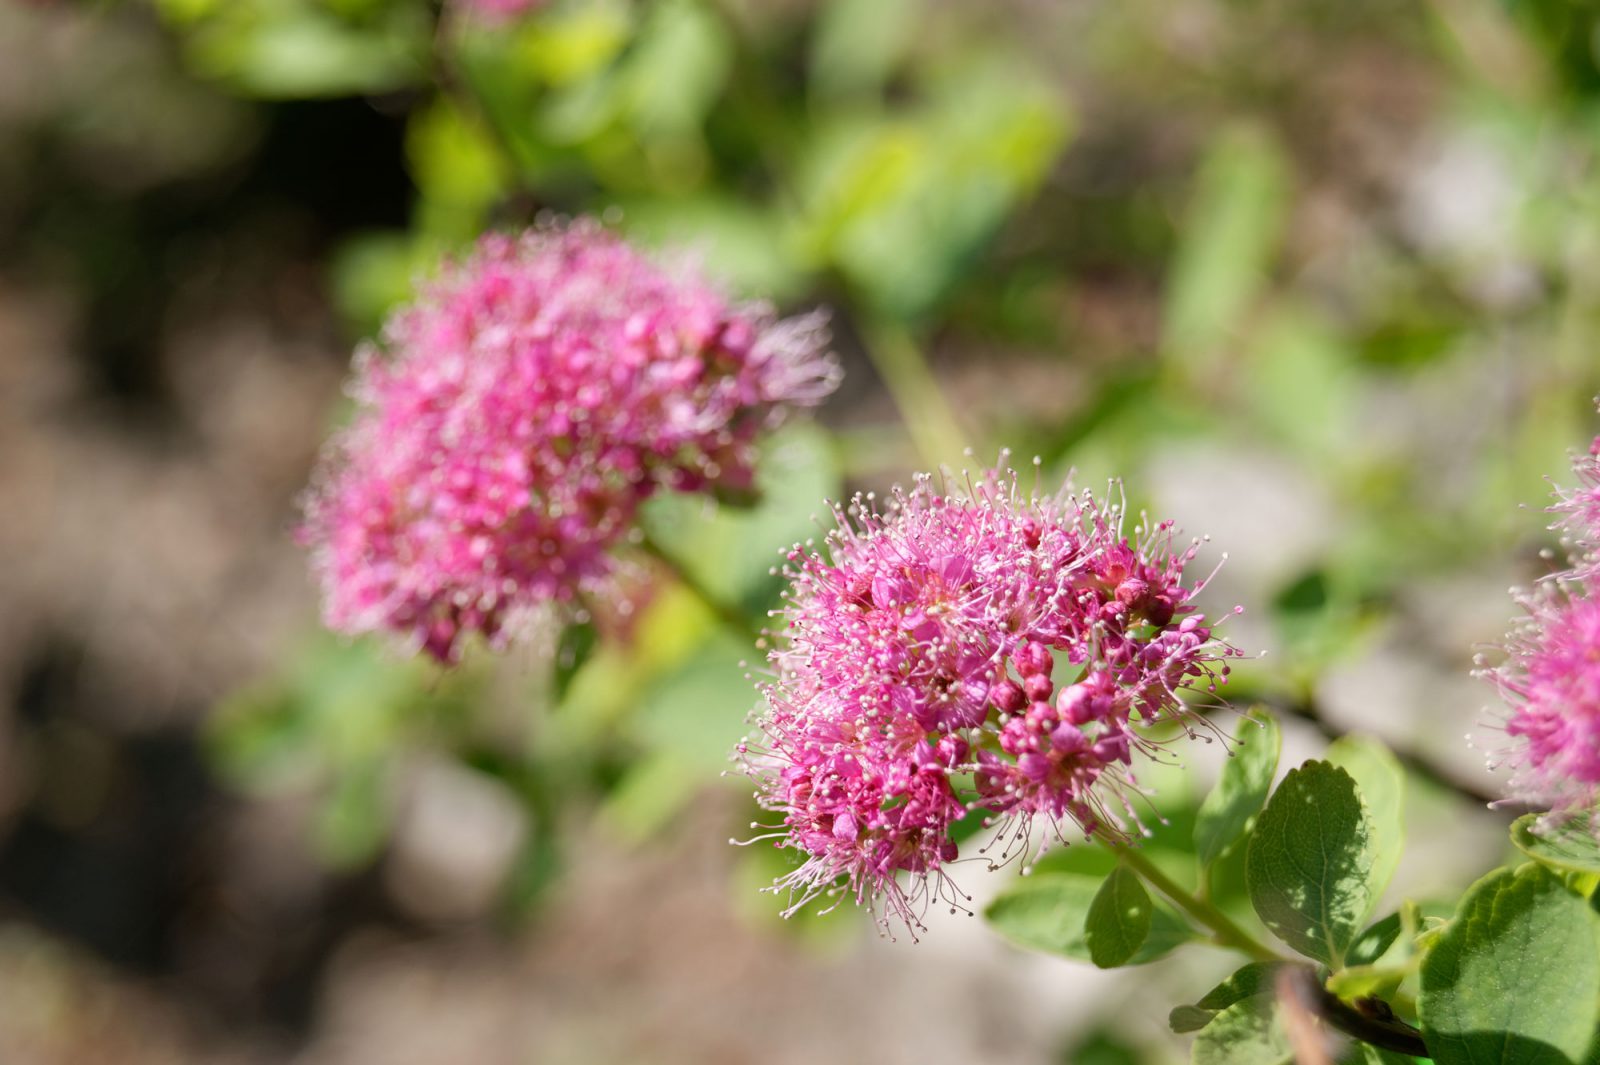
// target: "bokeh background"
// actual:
[[1320, 279]]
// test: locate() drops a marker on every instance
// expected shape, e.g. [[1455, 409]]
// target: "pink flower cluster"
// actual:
[[969, 649], [500, 9], [1551, 676], [525, 406]]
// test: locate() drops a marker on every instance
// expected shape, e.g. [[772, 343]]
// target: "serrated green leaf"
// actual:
[[1241, 789], [1249, 1032], [1572, 847], [1515, 977], [1308, 862], [1380, 781], [1375, 942], [1118, 919]]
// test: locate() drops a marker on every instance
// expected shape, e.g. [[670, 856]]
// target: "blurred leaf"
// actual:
[[1184, 1019], [1046, 912], [298, 48], [1229, 235], [859, 42], [1118, 920], [372, 274], [457, 169], [1298, 382], [1101, 1048], [1515, 977], [1308, 862], [743, 245], [696, 712], [1249, 1032], [651, 793], [353, 822], [1571, 846], [1380, 780], [678, 67], [1049, 912], [733, 550], [577, 645], [903, 204], [1241, 789], [569, 44]]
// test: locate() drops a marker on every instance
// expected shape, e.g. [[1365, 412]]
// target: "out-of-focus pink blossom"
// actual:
[[518, 414], [1551, 681], [969, 648], [1550, 678], [500, 9], [1579, 513]]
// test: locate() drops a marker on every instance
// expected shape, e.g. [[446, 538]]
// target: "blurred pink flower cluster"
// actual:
[[500, 9], [1551, 676], [519, 413], [970, 649]]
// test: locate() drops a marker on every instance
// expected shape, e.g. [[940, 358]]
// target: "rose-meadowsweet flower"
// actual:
[[519, 413], [1550, 678], [1579, 514], [1551, 681], [969, 649]]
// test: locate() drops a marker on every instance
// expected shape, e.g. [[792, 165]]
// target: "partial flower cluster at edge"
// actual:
[[971, 649], [1550, 678]]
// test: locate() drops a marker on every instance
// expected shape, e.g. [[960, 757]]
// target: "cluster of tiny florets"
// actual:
[[1550, 678], [517, 416], [969, 651]]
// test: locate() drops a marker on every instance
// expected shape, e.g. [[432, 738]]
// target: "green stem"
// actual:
[[734, 619], [927, 416], [1222, 927]]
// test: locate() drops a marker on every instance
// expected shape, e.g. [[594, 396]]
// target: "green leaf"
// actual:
[[1249, 1032], [1375, 942], [1515, 977], [1308, 862], [1046, 913], [1366, 981], [1572, 847], [1118, 919], [1230, 231], [294, 48], [1049, 912], [1241, 789], [576, 646], [1246, 981], [1371, 1055], [1189, 1019], [858, 43], [1380, 781]]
